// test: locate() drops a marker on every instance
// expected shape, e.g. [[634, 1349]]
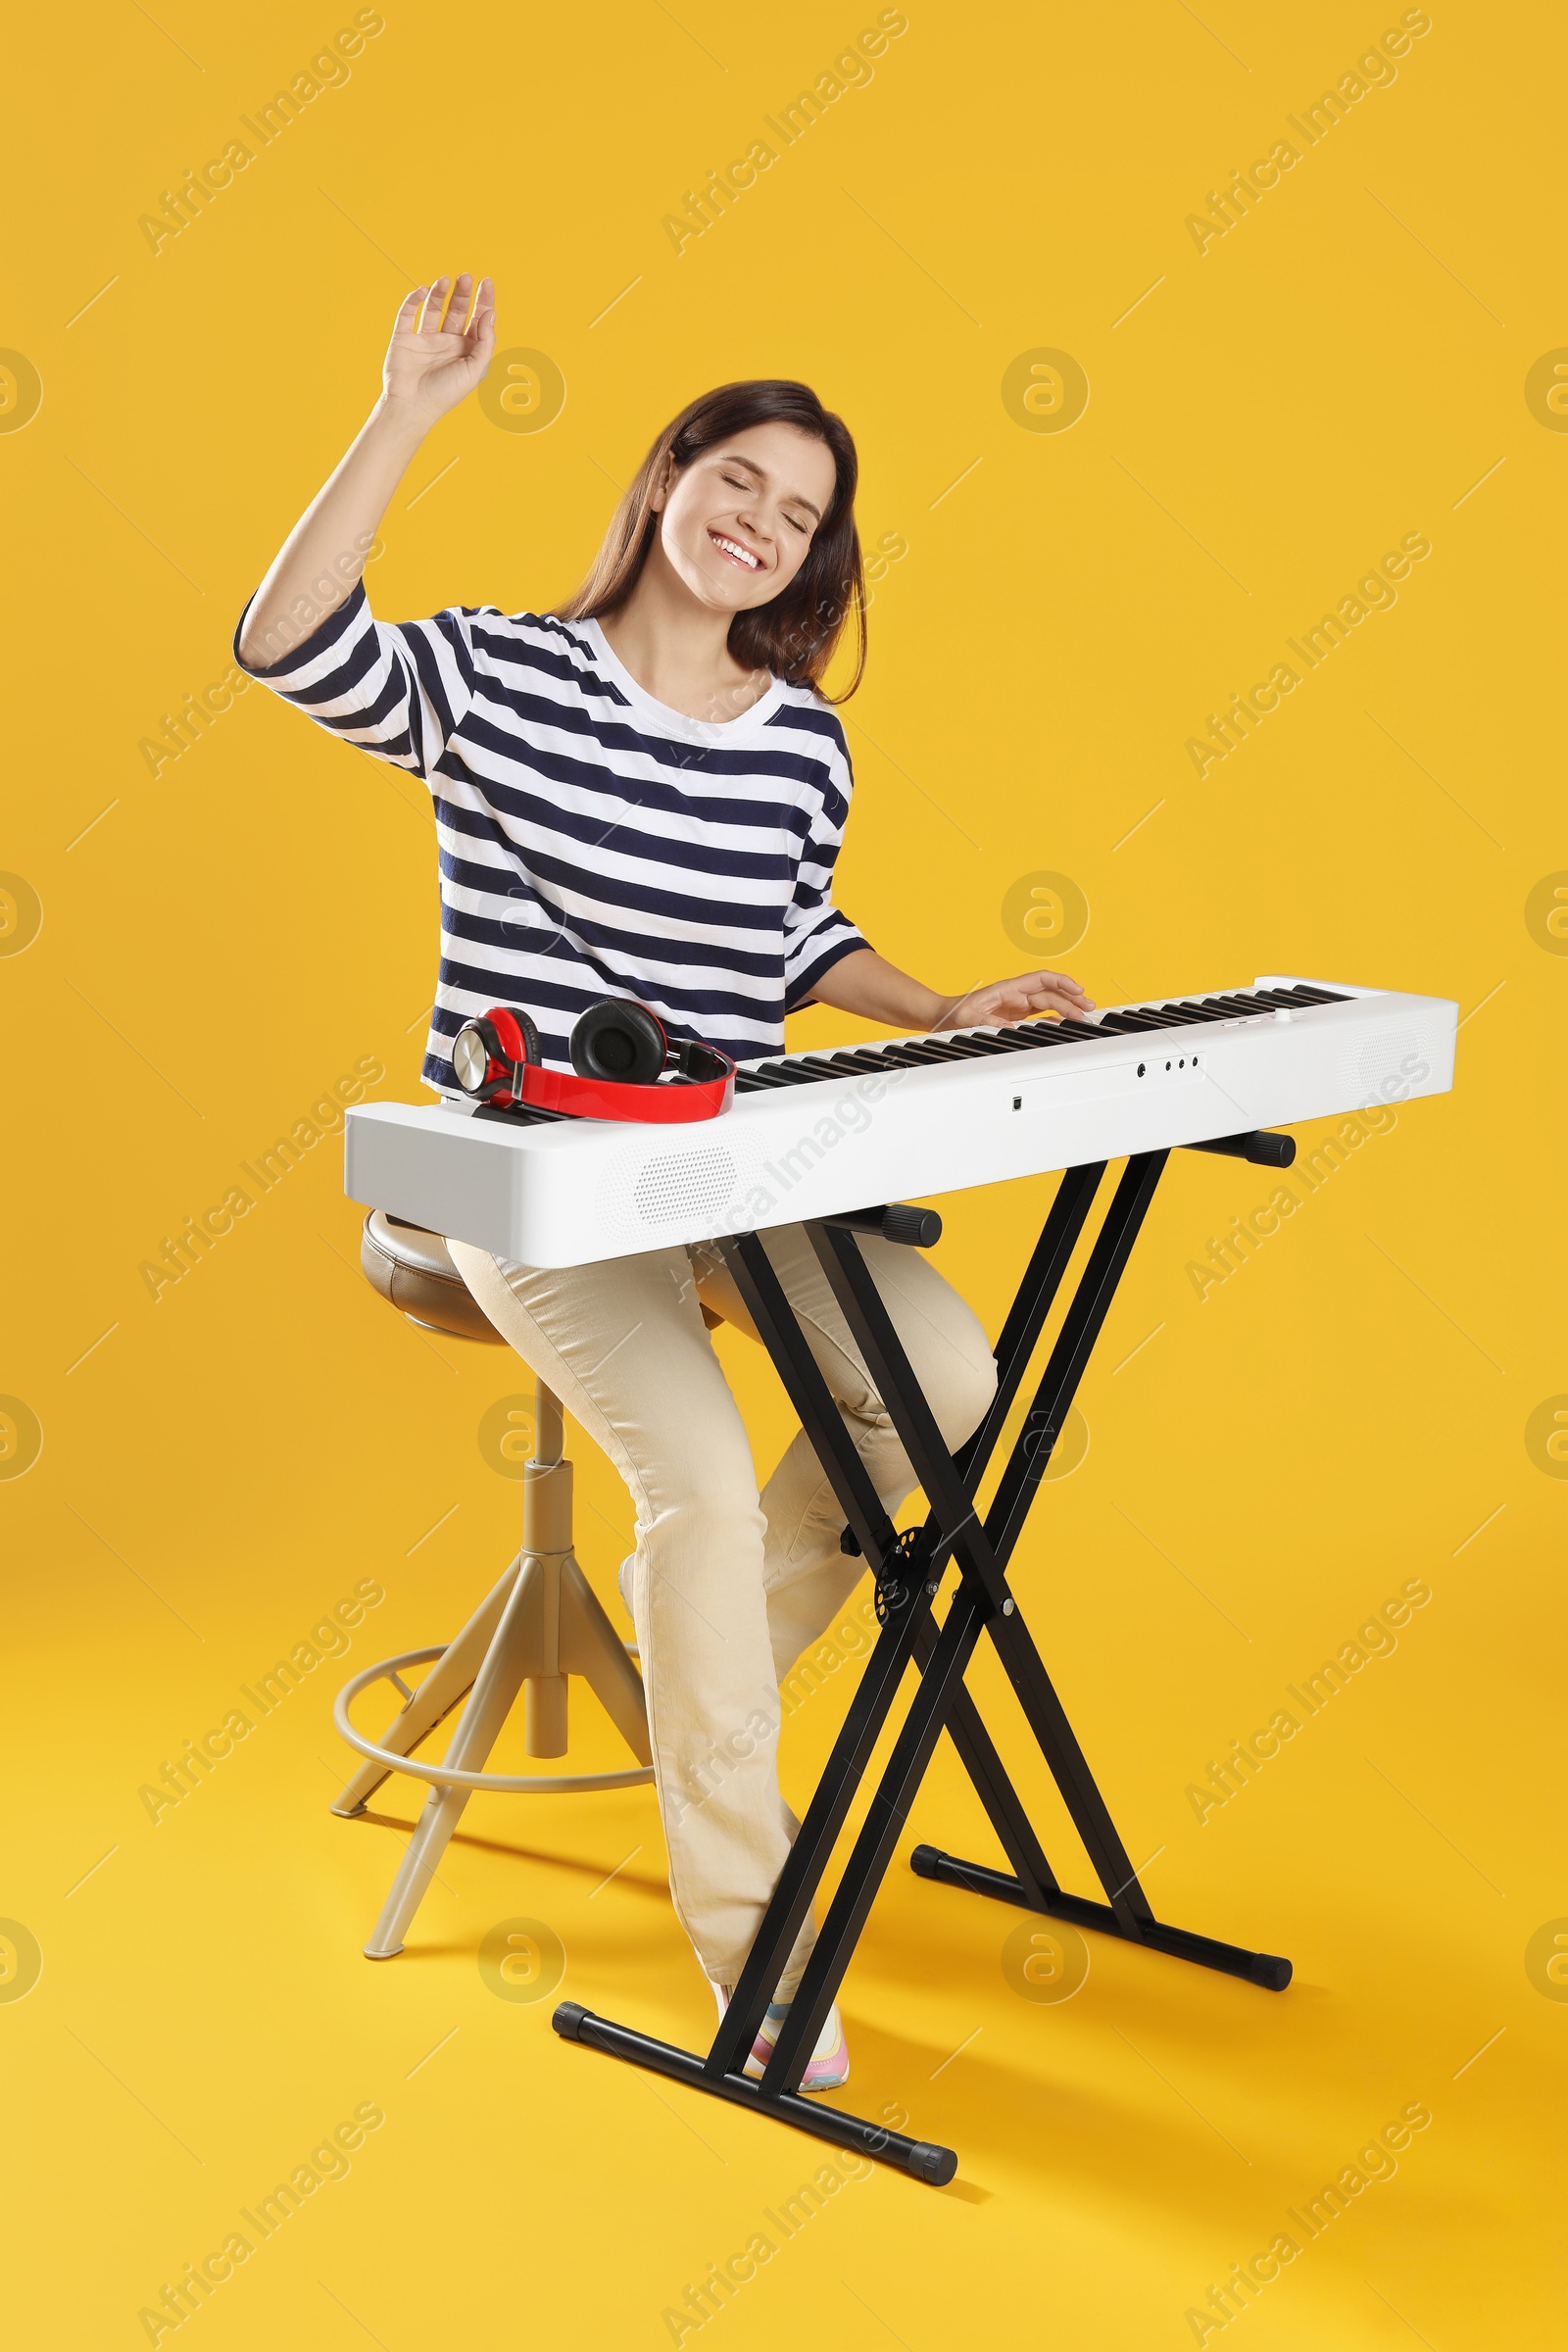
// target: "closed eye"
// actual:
[[794, 520]]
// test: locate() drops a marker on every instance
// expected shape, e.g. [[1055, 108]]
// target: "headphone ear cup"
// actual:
[[621, 1040]]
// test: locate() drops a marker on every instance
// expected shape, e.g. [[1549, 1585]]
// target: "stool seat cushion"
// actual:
[[414, 1270]]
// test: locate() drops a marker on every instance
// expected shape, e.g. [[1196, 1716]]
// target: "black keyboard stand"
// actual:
[[910, 1569]]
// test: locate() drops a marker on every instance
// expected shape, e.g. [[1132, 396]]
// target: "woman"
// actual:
[[643, 795]]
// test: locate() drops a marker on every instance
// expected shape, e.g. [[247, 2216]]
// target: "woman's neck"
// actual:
[[678, 650]]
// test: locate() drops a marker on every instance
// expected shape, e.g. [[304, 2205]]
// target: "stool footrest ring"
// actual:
[[444, 1775]]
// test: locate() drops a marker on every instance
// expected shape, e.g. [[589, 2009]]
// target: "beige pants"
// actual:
[[729, 1586]]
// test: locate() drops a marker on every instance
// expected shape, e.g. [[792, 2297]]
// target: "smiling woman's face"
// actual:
[[736, 523]]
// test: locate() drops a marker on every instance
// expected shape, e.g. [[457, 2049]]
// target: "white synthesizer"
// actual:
[[812, 1135]]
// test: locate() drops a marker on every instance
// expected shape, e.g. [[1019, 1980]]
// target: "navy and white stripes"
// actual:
[[593, 842]]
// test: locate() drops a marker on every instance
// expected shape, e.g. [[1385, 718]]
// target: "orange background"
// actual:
[[221, 943]]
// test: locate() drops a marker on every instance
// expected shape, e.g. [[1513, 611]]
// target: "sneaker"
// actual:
[[828, 2067]]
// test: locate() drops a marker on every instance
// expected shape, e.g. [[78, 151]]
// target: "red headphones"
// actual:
[[619, 1053]]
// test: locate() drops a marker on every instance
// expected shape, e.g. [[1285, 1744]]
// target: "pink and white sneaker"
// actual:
[[829, 2064], [828, 2067]]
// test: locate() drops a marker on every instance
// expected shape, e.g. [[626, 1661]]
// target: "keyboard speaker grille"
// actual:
[[678, 1186], [1380, 1076]]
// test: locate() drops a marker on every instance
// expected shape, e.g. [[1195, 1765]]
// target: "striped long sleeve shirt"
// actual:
[[593, 842]]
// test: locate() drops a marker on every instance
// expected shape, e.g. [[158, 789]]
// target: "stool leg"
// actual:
[[544, 1694], [495, 1686], [591, 1646], [439, 1692], [547, 1537], [541, 1622]]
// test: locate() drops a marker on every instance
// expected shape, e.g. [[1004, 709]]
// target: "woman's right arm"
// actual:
[[428, 370]]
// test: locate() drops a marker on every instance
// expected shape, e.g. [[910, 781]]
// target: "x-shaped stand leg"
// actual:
[[909, 1575]]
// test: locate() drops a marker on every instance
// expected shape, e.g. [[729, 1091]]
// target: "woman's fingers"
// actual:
[[435, 302], [481, 322], [458, 309], [1001, 1001], [1043, 988], [485, 311], [1056, 989], [442, 342], [454, 307]]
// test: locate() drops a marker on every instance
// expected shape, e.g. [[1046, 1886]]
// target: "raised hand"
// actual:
[[438, 353], [1031, 995]]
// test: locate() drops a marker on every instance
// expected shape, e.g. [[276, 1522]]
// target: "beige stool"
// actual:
[[539, 1625]]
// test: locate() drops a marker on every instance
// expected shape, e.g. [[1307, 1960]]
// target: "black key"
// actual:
[[1002, 1041], [909, 1056], [1191, 1012], [1124, 1024], [1302, 998], [1037, 1033], [1145, 1016], [983, 1041], [927, 1048], [962, 1047]]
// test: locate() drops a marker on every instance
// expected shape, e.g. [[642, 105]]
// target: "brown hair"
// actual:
[[796, 635]]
